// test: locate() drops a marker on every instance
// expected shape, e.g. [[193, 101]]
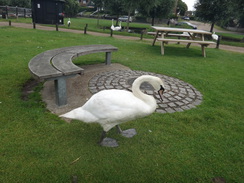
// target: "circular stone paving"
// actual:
[[178, 95]]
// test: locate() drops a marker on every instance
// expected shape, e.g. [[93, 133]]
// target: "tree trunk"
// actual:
[[153, 21], [212, 26], [128, 23]]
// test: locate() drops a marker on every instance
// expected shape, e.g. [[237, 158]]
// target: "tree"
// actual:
[[4, 2], [115, 7], [99, 4], [21, 3], [213, 10], [71, 8], [182, 7], [238, 9], [157, 8], [130, 7]]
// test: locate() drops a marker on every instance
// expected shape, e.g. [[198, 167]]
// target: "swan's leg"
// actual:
[[103, 135], [107, 142], [119, 129], [126, 133]]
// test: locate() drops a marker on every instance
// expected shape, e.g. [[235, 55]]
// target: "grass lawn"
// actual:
[[103, 25], [191, 146]]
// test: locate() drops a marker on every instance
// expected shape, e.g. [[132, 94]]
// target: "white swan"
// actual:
[[69, 22], [215, 36], [110, 108], [112, 26], [118, 28]]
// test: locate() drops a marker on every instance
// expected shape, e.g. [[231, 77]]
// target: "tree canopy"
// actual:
[[19, 3], [220, 11]]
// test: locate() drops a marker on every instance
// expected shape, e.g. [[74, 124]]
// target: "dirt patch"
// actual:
[[28, 88]]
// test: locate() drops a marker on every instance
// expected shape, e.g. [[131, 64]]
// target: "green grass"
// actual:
[[98, 26], [190, 146]]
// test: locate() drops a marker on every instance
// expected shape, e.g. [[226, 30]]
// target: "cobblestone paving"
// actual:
[[178, 96]]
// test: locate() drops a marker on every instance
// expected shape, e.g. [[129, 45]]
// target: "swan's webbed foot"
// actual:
[[127, 133], [107, 142]]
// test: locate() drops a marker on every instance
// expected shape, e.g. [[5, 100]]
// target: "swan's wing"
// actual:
[[115, 104]]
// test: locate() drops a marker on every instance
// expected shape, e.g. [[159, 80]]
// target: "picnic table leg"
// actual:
[[191, 37], [108, 58], [203, 51], [162, 48], [155, 38], [60, 91]]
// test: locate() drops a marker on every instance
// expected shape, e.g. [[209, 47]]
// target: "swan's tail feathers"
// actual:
[[80, 114]]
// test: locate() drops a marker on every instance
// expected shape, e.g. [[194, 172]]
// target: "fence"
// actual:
[[14, 12]]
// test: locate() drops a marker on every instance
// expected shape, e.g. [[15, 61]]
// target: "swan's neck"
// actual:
[[149, 100]]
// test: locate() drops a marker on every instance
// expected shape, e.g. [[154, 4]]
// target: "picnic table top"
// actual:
[[171, 29]]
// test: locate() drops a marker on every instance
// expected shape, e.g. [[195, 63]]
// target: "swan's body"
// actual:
[[69, 22], [112, 26], [118, 28], [113, 107], [215, 36]]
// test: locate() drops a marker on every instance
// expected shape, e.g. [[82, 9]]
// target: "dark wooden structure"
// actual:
[[48, 11]]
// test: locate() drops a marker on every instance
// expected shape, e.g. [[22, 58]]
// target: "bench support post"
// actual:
[[60, 91], [108, 58]]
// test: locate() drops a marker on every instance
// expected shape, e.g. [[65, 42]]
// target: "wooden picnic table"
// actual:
[[162, 32]]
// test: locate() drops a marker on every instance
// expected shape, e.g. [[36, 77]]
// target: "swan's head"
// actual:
[[156, 83]]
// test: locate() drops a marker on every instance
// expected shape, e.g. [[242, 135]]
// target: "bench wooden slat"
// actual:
[[63, 63], [84, 50], [41, 68], [177, 35]]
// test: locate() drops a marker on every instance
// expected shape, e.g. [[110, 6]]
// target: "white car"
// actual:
[[125, 19]]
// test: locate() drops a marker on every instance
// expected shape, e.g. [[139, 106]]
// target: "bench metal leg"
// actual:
[[108, 58], [60, 89]]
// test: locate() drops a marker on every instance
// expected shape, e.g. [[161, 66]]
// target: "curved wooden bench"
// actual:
[[57, 65]]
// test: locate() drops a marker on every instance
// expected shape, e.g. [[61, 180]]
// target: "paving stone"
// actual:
[[178, 95]]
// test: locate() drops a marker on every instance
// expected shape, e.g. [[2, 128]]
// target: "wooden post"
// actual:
[[56, 26], [34, 25], [9, 22], [85, 28], [142, 34], [111, 32]]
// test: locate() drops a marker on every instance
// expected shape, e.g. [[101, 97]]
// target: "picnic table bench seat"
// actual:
[[57, 65], [189, 41]]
